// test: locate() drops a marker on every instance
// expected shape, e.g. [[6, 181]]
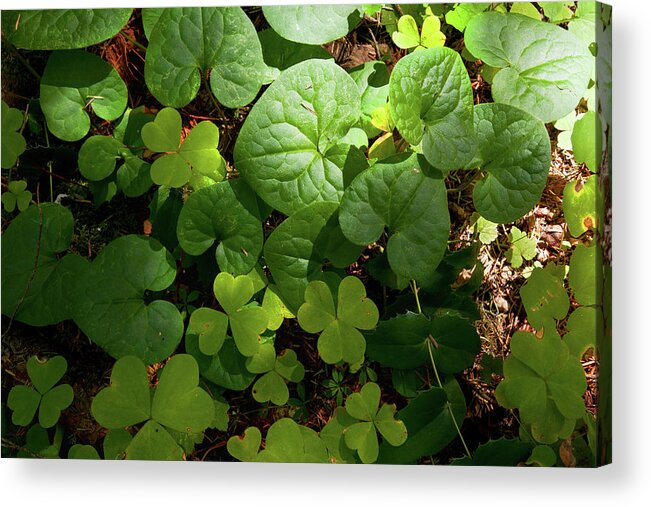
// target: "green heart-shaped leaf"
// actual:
[[353, 307], [247, 324], [312, 24], [515, 154], [245, 447], [52, 403], [404, 194], [232, 292], [318, 311], [287, 148], [431, 35], [210, 326], [333, 434], [275, 308], [288, 366], [392, 430], [13, 143], [178, 401], [79, 451], [45, 374], [226, 369], [115, 443], [185, 43], [71, 81], [164, 133], [364, 404], [288, 442], [127, 400], [545, 69], [23, 401], [362, 438], [153, 443], [263, 361], [407, 36], [271, 387]]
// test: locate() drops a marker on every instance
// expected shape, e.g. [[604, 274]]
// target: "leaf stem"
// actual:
[[415, 289], [49, 164], [134, 42]]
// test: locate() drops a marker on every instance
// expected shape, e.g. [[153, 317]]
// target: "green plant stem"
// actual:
[[134, 42], [49, 164], [414, 288]]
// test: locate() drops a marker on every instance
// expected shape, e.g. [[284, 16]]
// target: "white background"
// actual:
[[627, 481]]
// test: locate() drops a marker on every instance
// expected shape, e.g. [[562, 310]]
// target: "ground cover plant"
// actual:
[[331, 234]]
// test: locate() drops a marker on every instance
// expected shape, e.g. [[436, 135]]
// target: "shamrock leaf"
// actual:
[[17, 195], [340, 339], [462, 13], [13, 142], [545, 383], [197, 156], [275, 307], [407, 36], [210, 328], [522, 247], [361, 436], [271, 386], [48, 399], [245, 447], [545, 299]]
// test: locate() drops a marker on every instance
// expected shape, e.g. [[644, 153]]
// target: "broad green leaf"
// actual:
[[178, 402], [583, 206], [405, 195], [109, 303], [312, 24], [52, 403], [45, 374], [115, 443], [545, 69], [23, 401], [73, 80], [287, 148], [463, 13], [586, 274], [515, 155], [505, 452], [288, 442], [210, 327], [526, 9], [150, 17], [545, 300], [545, 383], [197, 156], [35, 284], [153, 443], [230, 213], [372, 79], [188, 42], [13, 142], [226, 369], [583, 24], [431, 101], [79, 451], [585, 328], [62, 28], [587, 141], [281, 54], [522, 247], [557, 11], [296, 249], [246, 446], [127, 400]]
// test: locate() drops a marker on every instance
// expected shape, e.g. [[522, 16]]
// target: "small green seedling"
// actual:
[[44, 396], [522, 247], [335, 387], [13, 142], [485, 229], [407, 36], [16, 196]]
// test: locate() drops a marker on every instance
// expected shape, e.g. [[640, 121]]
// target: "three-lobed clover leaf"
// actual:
[[289, 147], [408, 197], [276, 370], [545, 299], [62, 28], [361, 436], [44, 396], [545, 383], [186, 43], [312, 24], [430, 98], [408, 36], [522, 247], [583, 206], [74, 80], [17, 196], [340, 339], [178, 404], [544, 68], [197, 156], [462, 13], [13, 142]]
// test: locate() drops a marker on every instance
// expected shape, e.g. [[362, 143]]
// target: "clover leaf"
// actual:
[[407, 36], [110, 305], [557, 11], [275, 307], [37, 443], [404, 194], [72, 81], [431, 101], [545, 383], [288, 148], [522, 247], [340, 339], [514, 153], [185, 43], [312, 24], [583, 206], [197, 156], [17, 195], [462, 13], [545, 299], [229, 212], [62, 28], [296, 250], [177, 404], [361, 436], [227, 368], [48, 399], [13, 142], [545, 69], [276, 369], [35, 282], [245, 447]]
